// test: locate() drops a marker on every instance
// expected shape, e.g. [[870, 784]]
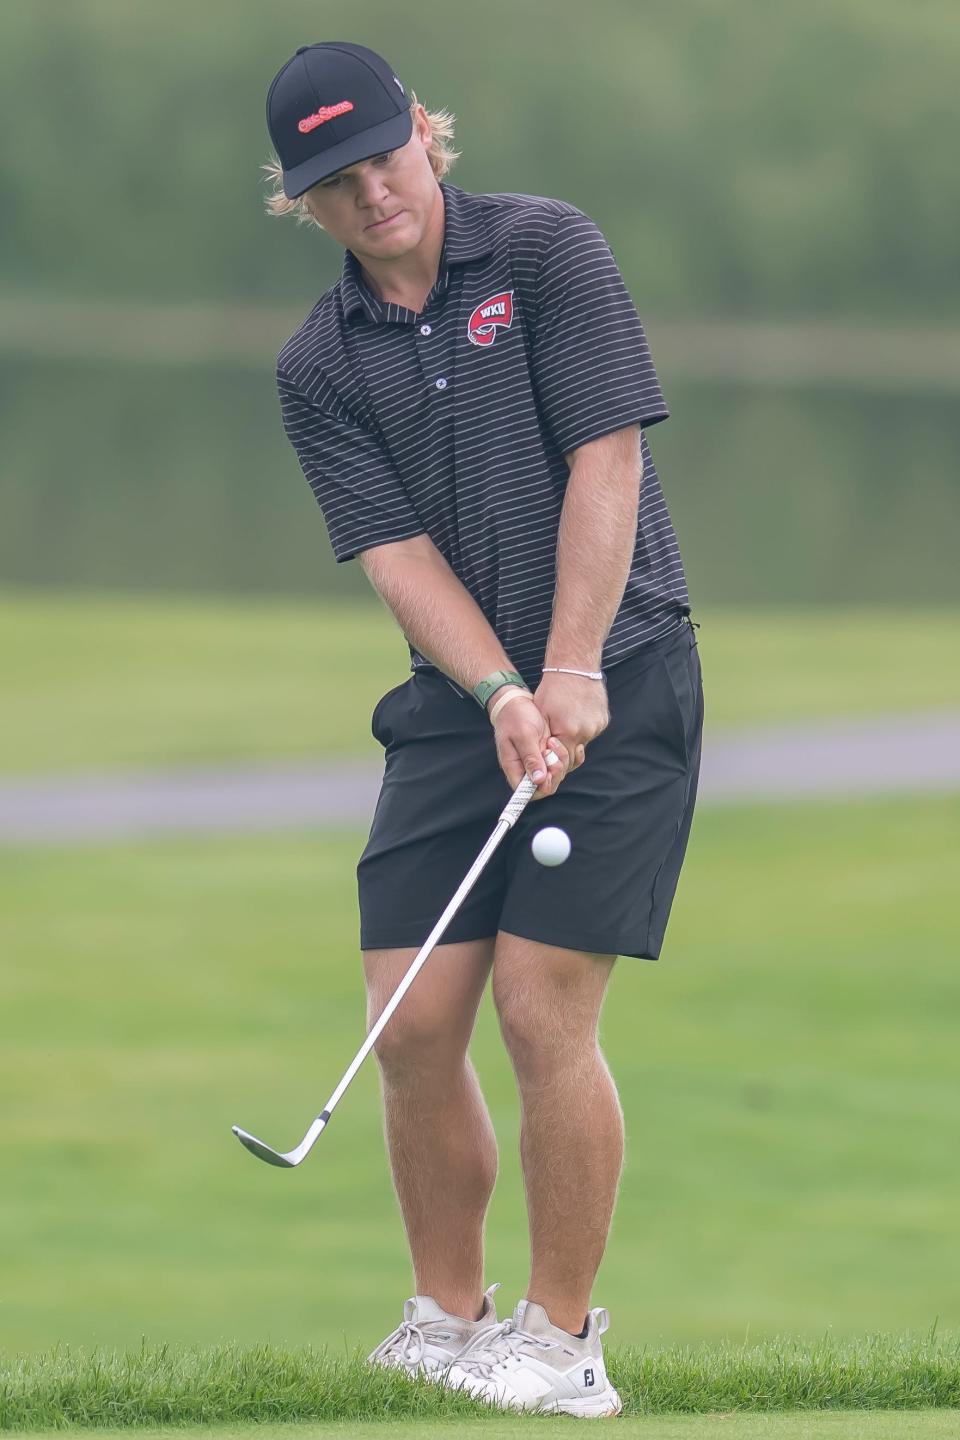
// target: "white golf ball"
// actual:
[[551, 845]]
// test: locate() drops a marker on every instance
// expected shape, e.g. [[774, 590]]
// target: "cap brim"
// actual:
[[389, 135]]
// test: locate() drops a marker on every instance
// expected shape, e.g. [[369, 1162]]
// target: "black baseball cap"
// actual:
[[332, 105]]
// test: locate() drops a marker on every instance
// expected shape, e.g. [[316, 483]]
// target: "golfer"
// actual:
[[468, 404]]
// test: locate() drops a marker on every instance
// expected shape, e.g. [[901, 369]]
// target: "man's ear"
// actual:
[[422, 124]]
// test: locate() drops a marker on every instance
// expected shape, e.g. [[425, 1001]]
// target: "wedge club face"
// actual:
[[284, 1160]]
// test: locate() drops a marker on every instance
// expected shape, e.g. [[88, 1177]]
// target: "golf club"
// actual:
[[511, 812]]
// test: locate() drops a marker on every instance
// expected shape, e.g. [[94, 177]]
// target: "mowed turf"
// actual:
[[839, 1425], [230, 1385], [789, 1072], [119, 680]]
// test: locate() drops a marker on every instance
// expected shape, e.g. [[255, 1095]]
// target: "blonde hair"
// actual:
[[441, 155]]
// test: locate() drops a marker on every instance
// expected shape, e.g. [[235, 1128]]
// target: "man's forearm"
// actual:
[[595, 546], [435, 611]]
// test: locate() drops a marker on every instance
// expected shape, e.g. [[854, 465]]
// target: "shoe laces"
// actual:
[[501, 1345], [408, 1342]]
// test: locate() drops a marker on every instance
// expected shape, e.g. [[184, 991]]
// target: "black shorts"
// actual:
[[627, 810]]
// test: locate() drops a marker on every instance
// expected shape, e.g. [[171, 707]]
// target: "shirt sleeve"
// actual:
[[362, 497], [591, 362]]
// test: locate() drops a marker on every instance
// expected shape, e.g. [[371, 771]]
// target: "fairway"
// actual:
[[797, 1425], [120, 680], [870, 1425], [788, 1071], [227, 1385]]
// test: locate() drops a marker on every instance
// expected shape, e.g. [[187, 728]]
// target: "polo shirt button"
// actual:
[[441, 383], [426, 329]]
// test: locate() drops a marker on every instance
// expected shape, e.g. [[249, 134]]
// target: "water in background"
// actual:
[[155, 476]]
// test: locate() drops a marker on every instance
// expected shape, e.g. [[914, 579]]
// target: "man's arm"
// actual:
[[595, 546], [435, 611], [440, 617]]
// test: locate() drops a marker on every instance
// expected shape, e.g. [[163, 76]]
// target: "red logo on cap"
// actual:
[[321, 116], [489, 314]]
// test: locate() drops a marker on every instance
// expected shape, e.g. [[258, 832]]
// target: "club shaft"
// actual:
[[508, 818]]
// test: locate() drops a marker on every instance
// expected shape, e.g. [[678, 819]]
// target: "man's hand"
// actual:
[[523, 739], [575, 711]]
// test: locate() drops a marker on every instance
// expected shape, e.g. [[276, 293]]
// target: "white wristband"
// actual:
[[504, 700], [563, 670]]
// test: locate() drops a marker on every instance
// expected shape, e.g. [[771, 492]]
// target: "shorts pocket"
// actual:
[[680, 672]]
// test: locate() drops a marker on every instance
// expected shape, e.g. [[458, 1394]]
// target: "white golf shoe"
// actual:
[[428, 1339], [526, 1363]]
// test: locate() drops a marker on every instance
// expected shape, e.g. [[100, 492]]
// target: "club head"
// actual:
[[287, 1160], [265, 1152]]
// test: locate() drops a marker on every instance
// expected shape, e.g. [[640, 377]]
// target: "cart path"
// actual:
[[816, 759]]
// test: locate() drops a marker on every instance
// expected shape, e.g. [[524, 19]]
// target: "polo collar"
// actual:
[[465, 238]]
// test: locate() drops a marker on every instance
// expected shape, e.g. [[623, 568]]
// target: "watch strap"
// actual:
[[490, 684]]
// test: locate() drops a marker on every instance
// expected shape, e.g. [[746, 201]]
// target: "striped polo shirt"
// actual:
[[454, 422]]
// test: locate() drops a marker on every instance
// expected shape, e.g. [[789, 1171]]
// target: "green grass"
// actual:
[[119, 680], [789, 1073], [749, 1425], [229, 1385]]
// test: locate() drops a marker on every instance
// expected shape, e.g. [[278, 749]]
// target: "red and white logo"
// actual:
[[489, 316], [321, 116]]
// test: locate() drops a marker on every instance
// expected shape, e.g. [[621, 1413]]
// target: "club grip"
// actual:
[[521, 797]]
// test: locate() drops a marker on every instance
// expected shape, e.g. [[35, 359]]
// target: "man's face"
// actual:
[[398, 188]]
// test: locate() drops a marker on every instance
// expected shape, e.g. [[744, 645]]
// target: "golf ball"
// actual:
[[551, 845]]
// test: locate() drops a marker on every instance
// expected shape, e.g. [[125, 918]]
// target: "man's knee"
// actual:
[[548, 1003], [416, 1041], [536, 1038], [429, 1032]]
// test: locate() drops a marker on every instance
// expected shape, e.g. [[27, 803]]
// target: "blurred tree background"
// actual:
[[777, 182]]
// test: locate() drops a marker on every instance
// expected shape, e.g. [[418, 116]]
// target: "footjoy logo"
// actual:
[[588, 1377], [321, 116], [482, 325]]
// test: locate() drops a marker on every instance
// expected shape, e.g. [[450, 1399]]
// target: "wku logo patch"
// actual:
[[489, 314], [321, 116]]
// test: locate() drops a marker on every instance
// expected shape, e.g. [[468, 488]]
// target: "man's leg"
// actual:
[[440, 1139], [571, 1136]]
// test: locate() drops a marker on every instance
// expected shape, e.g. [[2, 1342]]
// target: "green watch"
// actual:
[[492, 683]]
